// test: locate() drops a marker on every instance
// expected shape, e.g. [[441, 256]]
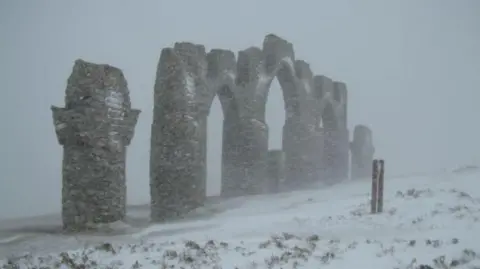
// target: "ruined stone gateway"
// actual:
[[315, 134], [94, 129], [97, 124]]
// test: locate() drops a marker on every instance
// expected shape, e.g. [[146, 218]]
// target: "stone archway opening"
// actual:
[[214, 148], [275, 116], [221, 121], [275, 119]]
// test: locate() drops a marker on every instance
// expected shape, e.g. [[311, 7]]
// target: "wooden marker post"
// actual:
[[376, 203], [381, 169], [373, 202]]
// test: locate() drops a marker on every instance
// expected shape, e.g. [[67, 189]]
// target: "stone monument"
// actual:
[[94, 128], [188, 79]]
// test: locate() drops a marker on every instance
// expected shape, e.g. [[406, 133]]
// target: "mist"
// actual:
[[411, 67]]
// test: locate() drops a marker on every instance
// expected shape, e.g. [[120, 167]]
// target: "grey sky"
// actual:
[[412, 70]]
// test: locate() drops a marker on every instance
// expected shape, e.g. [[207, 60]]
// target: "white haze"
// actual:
[[412, 70]]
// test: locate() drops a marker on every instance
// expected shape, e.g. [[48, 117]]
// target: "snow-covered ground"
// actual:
[[428, 221]]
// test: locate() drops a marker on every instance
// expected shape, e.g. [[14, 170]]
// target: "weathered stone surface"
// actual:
[[336, 148], [296, 80], [246, 135], [332, 113], [176, 152], [98, 123], [94, 128], [344, 154], [221, 76], [315, 137], [362, 151], [340, 96], [275, 171]]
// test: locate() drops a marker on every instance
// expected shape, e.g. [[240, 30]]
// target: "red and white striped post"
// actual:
[[378, 168]]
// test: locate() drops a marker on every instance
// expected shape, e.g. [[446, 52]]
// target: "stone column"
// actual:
[[94, 128], [203, 134], [337, 149], [317, 149], [176, 169], [296, 147], [232, 170], [362, 151], [245, 145], [325, 114], [245, 139], [329, 158], [275, 170], [344, 149], [340, 95]]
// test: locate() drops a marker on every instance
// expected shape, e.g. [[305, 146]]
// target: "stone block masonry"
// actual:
[[276, 171], [97, 124], [94, 128], [315, 135]]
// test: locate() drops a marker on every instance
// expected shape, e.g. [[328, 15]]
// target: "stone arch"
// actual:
[[229, 106], [221, 81], [294, 76], [285, 77], [328, 107], [331, 116], [186, 83], [275, 115], [296, 81], [188, 79]]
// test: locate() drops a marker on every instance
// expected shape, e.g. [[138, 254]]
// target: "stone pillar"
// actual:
[[340, 96], [221, 77], [275, 171], [203, 140], [344, 150], [318, 154], [330, 154], [333, 111], [245, 145], [232, 171], [176, 168], [362, 151], [94, 128], [326, 124], [245, 139], [337, 149], [296, 147]]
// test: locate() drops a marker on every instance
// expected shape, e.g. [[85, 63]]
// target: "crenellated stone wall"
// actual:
[[94, 128]]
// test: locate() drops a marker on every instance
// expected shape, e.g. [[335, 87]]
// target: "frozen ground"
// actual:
[[428, 221]]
